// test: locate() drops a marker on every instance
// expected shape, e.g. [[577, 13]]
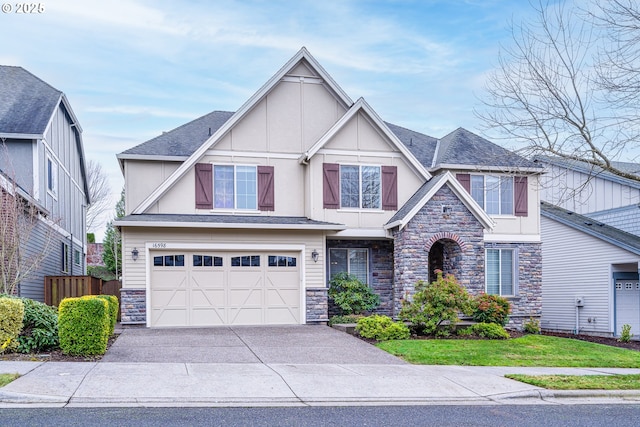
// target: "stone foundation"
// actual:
[[317, 307], [133, 306]]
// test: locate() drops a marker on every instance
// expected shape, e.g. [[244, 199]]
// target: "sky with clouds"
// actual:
[[134, 68]]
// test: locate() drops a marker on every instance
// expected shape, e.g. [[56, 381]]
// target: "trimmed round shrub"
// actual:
[[491, 309], [435, 306], [382, 328], [40, 327], [351, 295], [532, 326], [83, 325], [492, 331]]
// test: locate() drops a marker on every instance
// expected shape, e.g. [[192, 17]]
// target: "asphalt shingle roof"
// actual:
[[587, 225], [462, 147], [26, 102], [228, 219], [415, 199], [183, 140]]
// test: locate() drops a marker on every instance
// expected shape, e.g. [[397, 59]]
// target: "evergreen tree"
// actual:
[[112, 245]]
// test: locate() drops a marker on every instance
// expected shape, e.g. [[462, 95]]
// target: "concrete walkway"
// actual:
[[298, 371]]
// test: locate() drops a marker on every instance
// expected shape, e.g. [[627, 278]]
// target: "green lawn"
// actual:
[[581, 382], [529, 350], [7, 378]]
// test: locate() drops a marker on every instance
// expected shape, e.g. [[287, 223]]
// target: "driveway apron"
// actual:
[[297, 344]]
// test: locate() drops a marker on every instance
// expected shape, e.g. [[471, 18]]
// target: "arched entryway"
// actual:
[[444, 255]]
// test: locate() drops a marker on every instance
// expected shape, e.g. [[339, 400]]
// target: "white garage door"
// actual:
[[627, 305], [220, 288]]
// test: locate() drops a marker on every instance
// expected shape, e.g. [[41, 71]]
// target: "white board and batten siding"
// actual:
[[577, 192], [579, 265]]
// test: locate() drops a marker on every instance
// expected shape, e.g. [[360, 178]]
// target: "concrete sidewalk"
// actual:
[[270, 366], [77, 384]]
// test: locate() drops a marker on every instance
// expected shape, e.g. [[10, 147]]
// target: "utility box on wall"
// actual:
[[579, 301]]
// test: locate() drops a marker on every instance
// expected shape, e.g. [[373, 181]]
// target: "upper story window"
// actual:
[[235, 187], [52, 176], [493, 193], [360, 187]]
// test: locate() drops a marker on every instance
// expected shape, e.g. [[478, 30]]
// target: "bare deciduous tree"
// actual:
[[99, 193], [553, 88], [20, 220]]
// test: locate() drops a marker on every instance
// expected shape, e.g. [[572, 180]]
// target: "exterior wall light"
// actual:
[[315, 255], [134, 254]]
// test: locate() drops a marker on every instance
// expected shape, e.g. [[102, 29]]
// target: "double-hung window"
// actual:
[[352, 261], [493, 193], [52, 176], [360, 187], [500, 271], [235, 187]]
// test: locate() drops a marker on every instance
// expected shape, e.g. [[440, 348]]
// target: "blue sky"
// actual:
[[134, 68]]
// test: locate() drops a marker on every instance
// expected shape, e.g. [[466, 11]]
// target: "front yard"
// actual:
[[528, 350]]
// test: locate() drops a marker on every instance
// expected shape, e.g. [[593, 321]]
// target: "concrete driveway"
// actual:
[[295, 344]]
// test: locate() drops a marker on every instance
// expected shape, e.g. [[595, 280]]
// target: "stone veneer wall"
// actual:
[[412, 244], [528, 301], [317, 305], [133, 306], [380, 266]]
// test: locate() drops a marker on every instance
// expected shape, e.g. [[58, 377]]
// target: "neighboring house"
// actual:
[[242, 218], [591, 235], [43, 155], [94, 254]]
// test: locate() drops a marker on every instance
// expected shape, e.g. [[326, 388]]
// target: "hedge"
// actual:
[[112, 300], [83, 325], [11, 314]]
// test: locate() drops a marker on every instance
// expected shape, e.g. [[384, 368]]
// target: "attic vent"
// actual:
[[588, 223]]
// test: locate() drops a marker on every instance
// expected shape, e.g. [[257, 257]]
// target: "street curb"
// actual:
[[568, 394]]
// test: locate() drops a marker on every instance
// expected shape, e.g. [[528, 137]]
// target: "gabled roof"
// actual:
[[427, 191], [302, 55], [26, 103], [226, 221], [180, 142], [462, 149], [602, 231], [362, 106], [422, 146], [632, 168]]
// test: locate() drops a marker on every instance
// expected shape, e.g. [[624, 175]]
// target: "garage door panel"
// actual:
[[282, 316], [215, 288], [208, 316]]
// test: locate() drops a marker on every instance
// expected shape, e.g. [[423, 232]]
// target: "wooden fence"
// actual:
[[56, 288]]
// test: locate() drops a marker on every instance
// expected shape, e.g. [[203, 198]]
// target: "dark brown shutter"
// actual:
[[520, 196], [331, 185], [204, 186], [266, 193], [465, 180], [389, 188]]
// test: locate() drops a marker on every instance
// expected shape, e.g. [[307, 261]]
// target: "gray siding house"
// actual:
[[43, 155], [590, 222]]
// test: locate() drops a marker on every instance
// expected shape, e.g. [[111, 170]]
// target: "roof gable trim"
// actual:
[[237, 116], [484, 219]]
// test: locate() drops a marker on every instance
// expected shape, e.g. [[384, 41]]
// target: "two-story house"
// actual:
[[243, 217], [591, 234], [43, 157]]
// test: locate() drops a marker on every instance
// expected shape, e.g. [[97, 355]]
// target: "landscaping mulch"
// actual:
[[631, 345], [55, 355]]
